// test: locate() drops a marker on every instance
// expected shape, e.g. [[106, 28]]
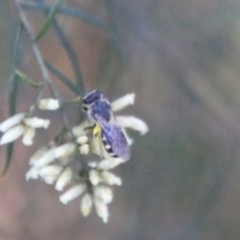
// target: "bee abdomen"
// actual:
[[108, 147]]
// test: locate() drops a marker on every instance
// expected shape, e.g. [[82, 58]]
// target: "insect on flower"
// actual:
[[106, 130]]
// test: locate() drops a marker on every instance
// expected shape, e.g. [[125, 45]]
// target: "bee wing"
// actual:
[[114, 137], [120, 145]]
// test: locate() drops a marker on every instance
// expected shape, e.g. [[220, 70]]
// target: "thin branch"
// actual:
[[63, 78], [77, 13], [13, 93], [39, 58], [46, 24], [70, 52]]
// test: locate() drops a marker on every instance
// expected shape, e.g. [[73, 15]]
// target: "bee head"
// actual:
[[90, 99]]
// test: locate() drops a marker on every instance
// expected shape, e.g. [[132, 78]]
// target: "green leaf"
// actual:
[[46, 24], [63, 78], [26, 79], [13, 91], [8, 158]]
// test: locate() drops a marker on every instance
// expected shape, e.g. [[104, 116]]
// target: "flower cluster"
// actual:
[[54, 163], [21, 125]]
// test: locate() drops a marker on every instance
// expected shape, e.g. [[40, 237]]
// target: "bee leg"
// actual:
[[97, 137], [89, 127]]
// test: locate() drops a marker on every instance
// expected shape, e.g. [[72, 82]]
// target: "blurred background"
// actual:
[[182, 59]]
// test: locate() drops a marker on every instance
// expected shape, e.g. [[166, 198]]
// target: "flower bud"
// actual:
[[48, 104], [110, 178], [36, 122], [102, 210], [103, 193], [12, 134], [52, 170], [42, 158], [72, 193], [133, 123], [64, 150], [82, 140], [94, 177], [86, 204], [32, 174], [28, 136], [123, 102], [64, 179], [12, 121], [84, 149], [109, 163]]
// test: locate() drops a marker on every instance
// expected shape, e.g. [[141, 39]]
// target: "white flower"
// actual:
[[12, 134], [64, 179], [102, 210], [33, 173], [110, 163], [64, 150], [86, 204], [82, 140], [48, 173], [51, 170], [72, 193], [94, 177], [50, 179], [19, 125], [84, 149], [92, 164], [12, 121], [36, 122], [39, 153], [110, 178], [133, 123], [123, 102], [103, 193], [28, 136], [48, 104], [42, 157], [79, 130]]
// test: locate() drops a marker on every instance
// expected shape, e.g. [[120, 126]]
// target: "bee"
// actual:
[[106, 128]]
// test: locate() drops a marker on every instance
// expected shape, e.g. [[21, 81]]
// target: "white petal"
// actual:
[[94, 177], [133, 122], [32, 174], [64, 179], [102, 210], [123, 102], [12, 134], [103, 193], [36, 122], [72, 193], [45, 157], [48, 104], [64, 150], [28, 136], [110, 178], [12, 121], [84, 149], [86, 204], [109, 163], [82, 140]]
